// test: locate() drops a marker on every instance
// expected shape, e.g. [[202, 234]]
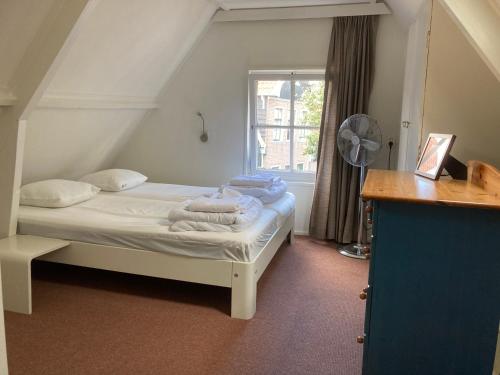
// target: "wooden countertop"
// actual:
[[408, 187]]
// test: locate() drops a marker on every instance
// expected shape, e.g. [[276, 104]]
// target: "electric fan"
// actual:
[[359, 140]]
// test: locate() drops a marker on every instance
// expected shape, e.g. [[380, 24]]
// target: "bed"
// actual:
[[126, 231]]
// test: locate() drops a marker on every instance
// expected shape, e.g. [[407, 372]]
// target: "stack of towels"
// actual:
[[264, 186], [225, 211]]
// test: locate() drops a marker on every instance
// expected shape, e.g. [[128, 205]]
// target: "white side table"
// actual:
[[16, 254]]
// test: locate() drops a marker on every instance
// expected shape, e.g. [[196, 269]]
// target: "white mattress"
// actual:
[[135, 219]]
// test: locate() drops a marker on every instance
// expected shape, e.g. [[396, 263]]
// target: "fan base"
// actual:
[[355, 250]]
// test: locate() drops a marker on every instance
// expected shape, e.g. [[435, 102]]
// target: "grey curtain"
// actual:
[[348, 84]]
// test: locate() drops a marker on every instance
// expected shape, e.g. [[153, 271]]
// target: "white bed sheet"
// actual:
[[178, 193], [120, 220], [166, 192]]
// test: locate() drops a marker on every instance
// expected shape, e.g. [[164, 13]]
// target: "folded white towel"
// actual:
[[184, 220], [226, 200], [205, 204], [276, 179], [262, 180], [266, 195]]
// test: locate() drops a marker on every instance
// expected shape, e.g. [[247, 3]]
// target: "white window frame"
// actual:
[[251, 152]]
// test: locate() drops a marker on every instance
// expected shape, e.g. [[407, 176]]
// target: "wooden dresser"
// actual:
[[433, 300]]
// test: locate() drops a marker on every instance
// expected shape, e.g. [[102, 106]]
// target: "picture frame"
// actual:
[[434, 155]]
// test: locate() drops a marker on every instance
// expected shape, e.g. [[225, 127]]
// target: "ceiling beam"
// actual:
[[221, 4], [323, 11], [6, 96], [253, 4]]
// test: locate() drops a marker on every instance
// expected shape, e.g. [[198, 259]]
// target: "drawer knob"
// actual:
[[360, 339], [370, 221], [368, 209], [362, 295]]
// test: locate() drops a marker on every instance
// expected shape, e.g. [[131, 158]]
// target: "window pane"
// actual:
[[308, 102], [273, 103], [273, 149], [305, 149]]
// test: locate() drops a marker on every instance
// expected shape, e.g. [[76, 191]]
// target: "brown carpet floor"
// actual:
[[88, 321]]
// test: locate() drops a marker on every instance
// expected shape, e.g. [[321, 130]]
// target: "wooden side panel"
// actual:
[[484, 175], [435, 298]]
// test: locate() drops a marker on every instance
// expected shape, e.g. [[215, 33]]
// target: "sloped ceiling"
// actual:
[[129, 47], [479, 21], [119, 59], [21, 18]]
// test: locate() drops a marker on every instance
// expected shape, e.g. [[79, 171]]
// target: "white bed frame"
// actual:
[[241, 277]]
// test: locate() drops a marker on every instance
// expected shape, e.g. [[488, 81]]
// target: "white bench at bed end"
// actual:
[[16, 254]]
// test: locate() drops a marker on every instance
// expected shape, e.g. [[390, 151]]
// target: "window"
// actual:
[[285, 115], [278, 116], [276, 135]]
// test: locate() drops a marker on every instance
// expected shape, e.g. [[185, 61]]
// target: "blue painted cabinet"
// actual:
[[433, 304]]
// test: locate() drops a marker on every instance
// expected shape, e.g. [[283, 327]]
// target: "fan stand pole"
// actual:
[[358, 250]]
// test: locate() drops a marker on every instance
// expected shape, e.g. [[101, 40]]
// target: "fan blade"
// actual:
[[364, 124], [354, 154], [347, 134], [370, 145]]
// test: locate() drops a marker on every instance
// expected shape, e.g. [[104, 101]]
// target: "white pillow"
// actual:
[[56, 193], [115, 179]]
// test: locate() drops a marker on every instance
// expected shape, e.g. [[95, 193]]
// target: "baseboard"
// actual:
[[301, 232]]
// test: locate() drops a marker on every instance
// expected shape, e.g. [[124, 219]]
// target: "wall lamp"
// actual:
[[204, 134]]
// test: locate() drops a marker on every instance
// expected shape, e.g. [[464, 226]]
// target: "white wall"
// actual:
[[116, 64], [213, 80], [413, 88], [81, 141], [386, 98]]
